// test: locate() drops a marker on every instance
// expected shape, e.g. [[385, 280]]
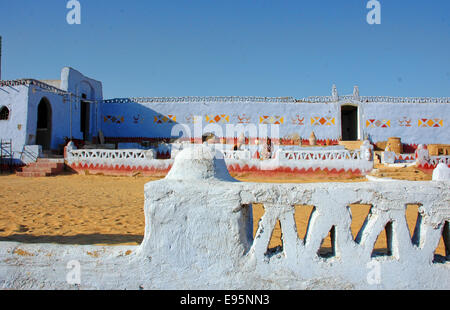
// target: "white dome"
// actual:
[[441, 172], [199, 162]]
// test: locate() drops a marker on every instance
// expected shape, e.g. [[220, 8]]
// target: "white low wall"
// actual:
[[283, 161], [388, 157], [424, 160], [198, 235], [31, 153], [436, 160], [212, 230], [111, 157], [115, 162]]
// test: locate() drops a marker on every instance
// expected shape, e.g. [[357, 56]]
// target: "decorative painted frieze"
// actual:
[[297, 120], [405, 122], [430, 122], [191, 119], [243, 119], [163, 119], [111, 119], [374, 123], [137, 119], [217, 119], [323, 121], [274, 120]]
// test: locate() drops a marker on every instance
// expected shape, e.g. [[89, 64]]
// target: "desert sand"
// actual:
[[90, 209]]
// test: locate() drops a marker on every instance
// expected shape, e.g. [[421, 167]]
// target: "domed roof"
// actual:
[[199, 162]]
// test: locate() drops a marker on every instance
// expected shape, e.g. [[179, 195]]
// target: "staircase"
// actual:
[[6, 155], [43, 167]]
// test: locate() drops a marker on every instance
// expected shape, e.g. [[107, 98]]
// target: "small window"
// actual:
[[4, 113]]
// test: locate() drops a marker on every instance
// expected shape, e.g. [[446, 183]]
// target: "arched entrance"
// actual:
[[44, 124], [349, 123], [4, 113]]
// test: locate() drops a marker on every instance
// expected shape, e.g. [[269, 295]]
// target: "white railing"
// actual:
[[435, 160], [389, 157], [231, 250], [312, 99], [404, 99], [423, 158], [334, 159], [110, 157], [388, 202], [320, 155], [223, 99], [322, 99], [26, 82], [237, 155], [43, 86]]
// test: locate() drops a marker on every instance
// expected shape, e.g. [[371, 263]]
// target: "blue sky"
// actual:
[[233, 47]]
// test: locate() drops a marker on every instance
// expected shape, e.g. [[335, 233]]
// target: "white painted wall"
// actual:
[[137, 118], [60, 116], [76, 83], [146, 113], [23, 101], [396, 113], [15, 98]]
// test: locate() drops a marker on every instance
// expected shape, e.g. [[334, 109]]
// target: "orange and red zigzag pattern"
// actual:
[[428, 167], [118, 169], [126, 170]]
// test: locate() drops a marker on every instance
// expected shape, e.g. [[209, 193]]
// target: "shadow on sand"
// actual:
[[81, 239]]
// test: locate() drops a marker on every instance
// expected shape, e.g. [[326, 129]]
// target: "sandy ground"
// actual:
[[75, 209]]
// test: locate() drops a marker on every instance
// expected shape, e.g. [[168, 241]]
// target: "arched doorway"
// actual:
[[4, 113], [44, 124], [349, 123]]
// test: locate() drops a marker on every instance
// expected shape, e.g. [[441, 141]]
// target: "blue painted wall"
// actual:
[[420, 123], [15, 98], [23, 101], [377, 120], [147, 119]]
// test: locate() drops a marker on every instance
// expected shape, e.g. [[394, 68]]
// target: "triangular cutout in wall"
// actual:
[[328, 247], [442, 252], [302, 217], [276, 241], [383, 245]]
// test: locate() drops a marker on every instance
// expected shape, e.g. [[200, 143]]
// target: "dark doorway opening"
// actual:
[[4, 114], [349, 123], [84, 117], [44, 124]]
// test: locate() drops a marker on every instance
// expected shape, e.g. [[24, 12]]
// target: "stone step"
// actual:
[[44, 170], [45, 165], [33, 174], [51, 160]]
